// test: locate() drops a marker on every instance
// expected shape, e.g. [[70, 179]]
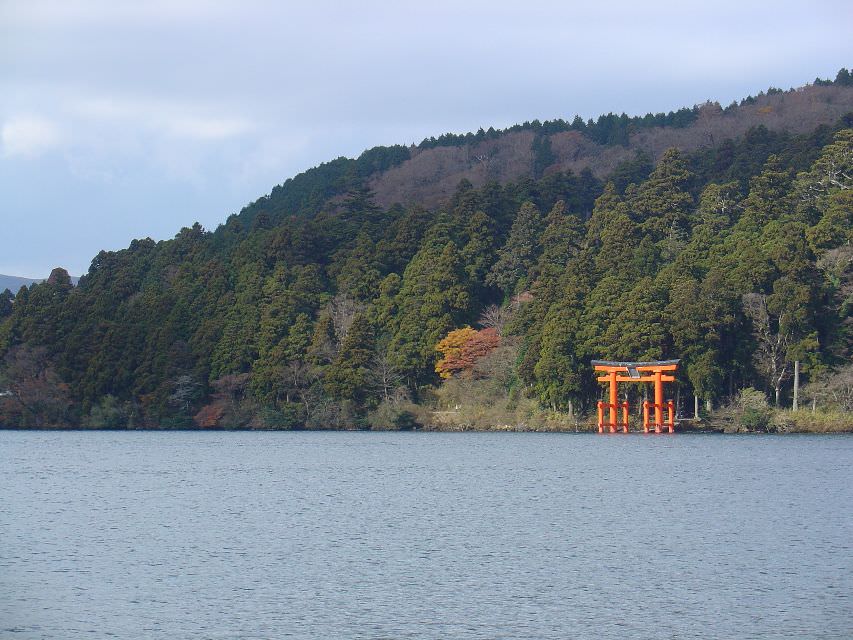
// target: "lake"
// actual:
[[424, 535]]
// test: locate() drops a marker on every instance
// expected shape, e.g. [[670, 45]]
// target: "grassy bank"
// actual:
[[808, 421], [526, 415]]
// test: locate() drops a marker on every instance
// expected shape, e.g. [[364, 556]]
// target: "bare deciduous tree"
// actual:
[[343, 310], [771, 356], [185, 389], [495, 317], [385, 377], [231, 388], [834, 388], [498, 366], [32, 391], [300, 378]]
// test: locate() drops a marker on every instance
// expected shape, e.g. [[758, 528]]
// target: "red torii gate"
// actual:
[[636, 372]]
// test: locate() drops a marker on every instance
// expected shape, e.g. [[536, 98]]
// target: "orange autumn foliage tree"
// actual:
[[463, 348], [450, 347]]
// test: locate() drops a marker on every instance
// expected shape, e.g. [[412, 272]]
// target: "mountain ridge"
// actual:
[[14, 283], [512, 156], [428, 174]]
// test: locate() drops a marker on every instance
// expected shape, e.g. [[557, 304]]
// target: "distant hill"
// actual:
[[427, 174], [14, 283]]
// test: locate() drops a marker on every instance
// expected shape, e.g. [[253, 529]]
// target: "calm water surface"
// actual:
[[424, 535]]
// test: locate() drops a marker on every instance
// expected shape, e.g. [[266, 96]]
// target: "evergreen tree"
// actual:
[[6, 298], [359, 275], [560, 241], [560, 367], [515, 259], [769, 197], [663, 203], [633, 171], [323, 347], [823, 194], [434, 298], [478, 254], [607, 206], [543, 155], [349, 377]]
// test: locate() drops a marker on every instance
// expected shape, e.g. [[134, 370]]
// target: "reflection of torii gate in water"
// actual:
[[636, 372]]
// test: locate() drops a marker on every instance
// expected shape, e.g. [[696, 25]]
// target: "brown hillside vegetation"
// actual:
[[430, 177]]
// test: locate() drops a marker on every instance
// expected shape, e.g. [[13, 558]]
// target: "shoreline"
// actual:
[[503, 429]]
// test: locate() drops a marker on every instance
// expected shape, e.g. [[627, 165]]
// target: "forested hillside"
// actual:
[[428, 173], [329, 305]]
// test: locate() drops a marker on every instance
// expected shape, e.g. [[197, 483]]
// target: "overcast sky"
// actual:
[[121, 120]]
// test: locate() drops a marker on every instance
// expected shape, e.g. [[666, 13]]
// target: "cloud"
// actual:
[[204, 128], [69, 13], [173, 118], [29, 136]]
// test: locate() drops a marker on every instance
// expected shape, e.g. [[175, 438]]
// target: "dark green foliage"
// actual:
[[543, 156], [309, 191], [434, 298], [610, 129], [511, 272], [632, 171], [290, 314], [662, 205], [349, 375], [6, 298]]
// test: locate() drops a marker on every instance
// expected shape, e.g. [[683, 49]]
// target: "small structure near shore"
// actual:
[[636, 372]]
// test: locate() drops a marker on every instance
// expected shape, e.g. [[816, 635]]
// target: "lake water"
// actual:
[[424, 535]]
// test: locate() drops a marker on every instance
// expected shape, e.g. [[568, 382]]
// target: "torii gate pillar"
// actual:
[[658, 398], [614, 398]]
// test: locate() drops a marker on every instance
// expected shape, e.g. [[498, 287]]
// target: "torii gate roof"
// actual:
[[615, 363]]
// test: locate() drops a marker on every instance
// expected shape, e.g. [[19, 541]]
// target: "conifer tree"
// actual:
[[348, 376], [478, 254], [607, 205], [558, 356], [663, 204], [560, 241], [515, 259], [323, 347], [359, 275], [434, 297], [6, 298], [769, 197]]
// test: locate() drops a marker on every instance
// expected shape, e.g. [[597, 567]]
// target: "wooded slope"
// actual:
[[735, 257]]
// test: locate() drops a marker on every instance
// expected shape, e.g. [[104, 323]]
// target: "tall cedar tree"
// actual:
[[515, 259]]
